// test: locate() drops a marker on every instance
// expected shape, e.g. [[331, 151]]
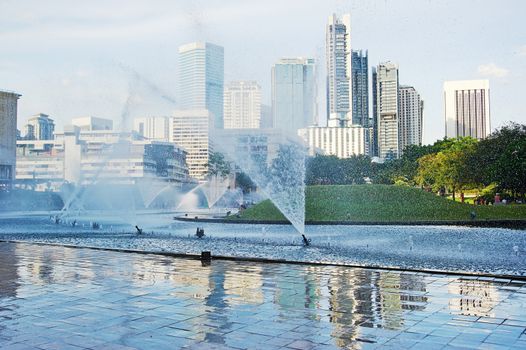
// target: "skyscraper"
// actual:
[[466, 107], [339, 61], [39, 127], [294, 94], [385, 111], [360, 88], [201, 78], [242, 105], [8, 115], [411, 109]]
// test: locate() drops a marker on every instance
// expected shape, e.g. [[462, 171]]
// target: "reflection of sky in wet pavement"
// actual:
[[56, 297], [498, 251]]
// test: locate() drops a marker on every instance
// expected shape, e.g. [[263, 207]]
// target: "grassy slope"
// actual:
[[383, 203]]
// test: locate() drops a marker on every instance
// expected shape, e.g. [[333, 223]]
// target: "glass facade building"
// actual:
[[294, 103], [360, 88], [201, 78], [338, 46]]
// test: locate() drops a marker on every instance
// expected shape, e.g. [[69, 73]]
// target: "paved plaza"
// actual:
[[55, 297]]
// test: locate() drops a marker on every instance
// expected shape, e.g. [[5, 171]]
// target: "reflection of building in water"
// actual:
[[43, 269], [400, 292], [352, 302], [372, 299], [244, 285], [9, 280], [473, 298], [299, 291]]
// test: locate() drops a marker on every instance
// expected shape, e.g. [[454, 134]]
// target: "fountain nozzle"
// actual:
[[306, 241]]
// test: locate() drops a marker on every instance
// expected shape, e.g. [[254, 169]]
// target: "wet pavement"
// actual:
[[69, 298]]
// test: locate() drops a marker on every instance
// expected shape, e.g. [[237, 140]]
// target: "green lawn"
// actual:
[[382, 203]]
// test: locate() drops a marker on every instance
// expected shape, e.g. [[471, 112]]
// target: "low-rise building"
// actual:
[[190, 130], [342, 142], [85, 157]]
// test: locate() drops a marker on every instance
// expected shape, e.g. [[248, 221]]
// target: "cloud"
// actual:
[[492, 70]]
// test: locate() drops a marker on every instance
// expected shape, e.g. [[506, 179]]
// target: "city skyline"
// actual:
[[84, 80]]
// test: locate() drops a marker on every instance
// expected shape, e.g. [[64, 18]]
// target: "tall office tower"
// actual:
[[8, 114], [339, 61], [466, 106], [153, 128], [242, 105], [191, 130], [201, 74], [385, 110], [39, 127], [294, 102], [411, 109], [360, 88]]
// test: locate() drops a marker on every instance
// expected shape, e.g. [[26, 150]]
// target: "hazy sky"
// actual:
[[111, 58]]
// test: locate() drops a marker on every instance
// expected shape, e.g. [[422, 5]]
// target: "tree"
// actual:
[[244, 182], [218, 166], [449, 168], [356, 168], [324, 170], [501, 159]]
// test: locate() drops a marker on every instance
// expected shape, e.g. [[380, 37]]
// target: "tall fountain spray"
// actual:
[[274, 161]]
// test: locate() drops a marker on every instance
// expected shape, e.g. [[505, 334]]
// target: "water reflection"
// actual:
[[234, 302], [9, 279], [473, 298]]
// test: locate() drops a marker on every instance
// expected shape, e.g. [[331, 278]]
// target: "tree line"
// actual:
[[447, 166]]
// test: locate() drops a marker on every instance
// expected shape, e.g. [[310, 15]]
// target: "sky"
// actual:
[[118, 59]]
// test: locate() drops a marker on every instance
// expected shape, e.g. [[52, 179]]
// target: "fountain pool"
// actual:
[[445, 248]]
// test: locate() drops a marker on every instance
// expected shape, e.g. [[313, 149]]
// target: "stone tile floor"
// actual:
[[66, 298]]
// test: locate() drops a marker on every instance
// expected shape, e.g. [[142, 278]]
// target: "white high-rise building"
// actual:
[[411, 117], [190, 130], [339, 72], [242, 105], [201, 78], [386, 111], [39, 127], [294, 101], [467, 108], [8, 115], [342, 142], [153, 128]]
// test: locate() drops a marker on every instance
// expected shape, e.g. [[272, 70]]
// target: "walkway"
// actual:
[[66, 298]]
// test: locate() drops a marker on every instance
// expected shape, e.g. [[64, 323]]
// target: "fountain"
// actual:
[[275, 162]]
